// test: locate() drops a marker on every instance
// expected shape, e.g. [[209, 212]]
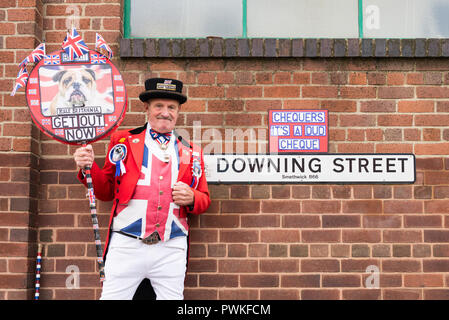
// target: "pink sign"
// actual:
[[298, 130]]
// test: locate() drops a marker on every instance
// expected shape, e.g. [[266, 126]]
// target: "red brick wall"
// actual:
[[255, 241]]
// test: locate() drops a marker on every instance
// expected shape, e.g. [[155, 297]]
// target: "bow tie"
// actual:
[[161, 138]]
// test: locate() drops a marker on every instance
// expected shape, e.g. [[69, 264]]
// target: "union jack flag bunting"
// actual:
[[74, 45], [35, 56], [52, 59], [100, 43], [97, 58], [22, 78], [46, 122]]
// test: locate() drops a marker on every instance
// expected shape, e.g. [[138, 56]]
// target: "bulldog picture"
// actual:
[[77, 88]]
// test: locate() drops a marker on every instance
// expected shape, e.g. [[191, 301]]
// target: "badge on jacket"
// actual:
[[117, 156], [196, 170]]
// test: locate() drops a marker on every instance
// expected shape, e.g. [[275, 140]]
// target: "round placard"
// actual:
[[76, 101]]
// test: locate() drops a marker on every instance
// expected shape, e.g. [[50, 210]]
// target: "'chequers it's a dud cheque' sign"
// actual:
[[310, 168]]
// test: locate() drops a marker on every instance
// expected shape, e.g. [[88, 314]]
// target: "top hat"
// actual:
[[163, 88]]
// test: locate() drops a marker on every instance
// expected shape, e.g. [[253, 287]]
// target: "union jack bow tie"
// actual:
[[161, 138]]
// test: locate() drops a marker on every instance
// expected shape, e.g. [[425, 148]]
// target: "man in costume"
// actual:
[[155, 178]]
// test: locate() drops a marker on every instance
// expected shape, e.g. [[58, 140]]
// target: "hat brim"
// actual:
[[152, 94]]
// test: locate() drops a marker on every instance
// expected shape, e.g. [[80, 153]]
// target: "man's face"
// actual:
[[162, 114]]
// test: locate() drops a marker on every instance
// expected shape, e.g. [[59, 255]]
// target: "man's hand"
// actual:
[[84, 157], [182, 194]]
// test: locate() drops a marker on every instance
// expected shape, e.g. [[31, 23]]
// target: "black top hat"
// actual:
[[163, 88]]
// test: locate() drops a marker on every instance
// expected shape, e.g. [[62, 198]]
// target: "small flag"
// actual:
[[100, 43], [97, 58], [35, 56], [21, 80], [52, 59], [74, 45]]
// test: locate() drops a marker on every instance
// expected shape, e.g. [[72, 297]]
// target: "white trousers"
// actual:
[[129, 261]]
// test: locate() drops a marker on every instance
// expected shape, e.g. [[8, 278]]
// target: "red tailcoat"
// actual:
[[120, 189]]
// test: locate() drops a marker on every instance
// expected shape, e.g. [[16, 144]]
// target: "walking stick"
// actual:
[[93, 213], [38, 272]]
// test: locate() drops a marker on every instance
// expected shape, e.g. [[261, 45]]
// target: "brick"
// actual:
[[361, 92], [321, 192], [401, 265], [380, 48], [358, 265], [340, 250], [436, 206], [362, 206], [361, 294], [281, 206], [202, 265], [236, 206], [320, 265], [259, 281], [340, 221], [423, 280], [359, 120], [218, 280], [431, 148], [13, 281], [301, 221], [421, 250], [280, 192], [319, 250], [238, 294], [300, 281], [299, 250], [402, 251], [381, 251], [243, 266], [320, 206], [381, 221], [276, 265], [214, 221], [206, 92], [436, 236], [319, 92], [279, 294], [432, 92], [369, 236], [402, 236], [274, 236], [378, 106], [341, 281], [327, 236], [239, 236], [424, 221], [436, 294], [275, 250], [403, 206], [260, 221], [395, 120], [431, 120], [360, 250], [241, 92]]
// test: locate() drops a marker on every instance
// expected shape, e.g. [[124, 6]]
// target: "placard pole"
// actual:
[[93, 213]]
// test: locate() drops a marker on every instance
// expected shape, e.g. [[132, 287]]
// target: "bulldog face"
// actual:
[[76, 87], [118, 154]]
